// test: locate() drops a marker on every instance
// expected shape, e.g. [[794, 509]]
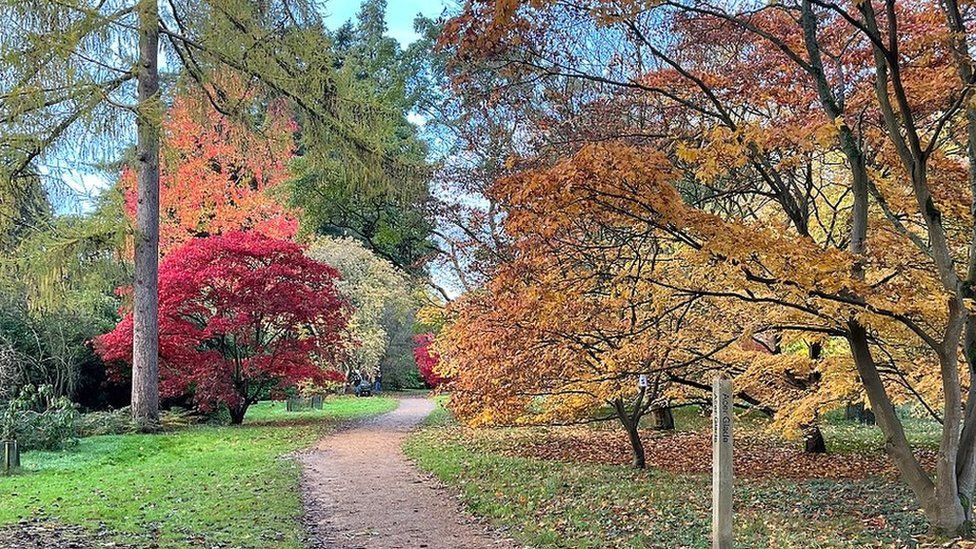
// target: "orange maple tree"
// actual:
[[574, 327], [824, 159], [217, 171]]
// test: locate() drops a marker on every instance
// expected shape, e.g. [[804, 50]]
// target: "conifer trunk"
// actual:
[[145, 329]]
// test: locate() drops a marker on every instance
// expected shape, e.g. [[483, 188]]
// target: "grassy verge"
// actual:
[[334, 408], [200, 486], [557, 504]]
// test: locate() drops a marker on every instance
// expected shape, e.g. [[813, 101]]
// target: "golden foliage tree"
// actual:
[[822, 190]]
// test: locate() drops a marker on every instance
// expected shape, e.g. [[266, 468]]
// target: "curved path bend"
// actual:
[[360, 491]]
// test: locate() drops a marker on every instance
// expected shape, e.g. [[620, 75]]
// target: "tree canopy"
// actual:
[[383, 299], [241, 314], [802, 172], [392, 219], [218, 173]]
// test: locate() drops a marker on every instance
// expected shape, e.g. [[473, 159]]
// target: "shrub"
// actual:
[[39, 420], [239, 315], [178, 418], [427, 360], [119, 422], [47, 321], [108, 422]]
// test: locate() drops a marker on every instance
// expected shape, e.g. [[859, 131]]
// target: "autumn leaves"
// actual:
[[779, 194]]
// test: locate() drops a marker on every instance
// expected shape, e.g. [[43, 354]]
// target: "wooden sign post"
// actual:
[[721, 463]]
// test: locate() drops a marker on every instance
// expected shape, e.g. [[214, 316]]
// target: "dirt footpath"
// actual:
[[361, 492]]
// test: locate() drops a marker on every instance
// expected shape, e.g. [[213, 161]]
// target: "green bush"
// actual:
[[108, 422], [39, 420], [178, 418]]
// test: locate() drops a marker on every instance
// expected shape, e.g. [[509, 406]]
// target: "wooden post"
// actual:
[[721, 463], [11, 456]]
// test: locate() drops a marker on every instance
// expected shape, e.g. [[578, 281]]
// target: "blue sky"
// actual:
[[399, 14]]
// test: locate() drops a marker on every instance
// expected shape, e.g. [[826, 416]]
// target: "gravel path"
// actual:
[[361, 492]]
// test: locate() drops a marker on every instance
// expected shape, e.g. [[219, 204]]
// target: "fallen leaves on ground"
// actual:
[[567, 502], [43, 534], [755, 455]]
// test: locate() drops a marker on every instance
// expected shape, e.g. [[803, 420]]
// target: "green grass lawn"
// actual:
[[199, 486], [334, 408], [557, 504], [849, 436]]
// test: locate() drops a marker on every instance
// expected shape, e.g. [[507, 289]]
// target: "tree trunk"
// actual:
[[813, 441], [952, 507], [631, 425], [145, 314], [966, 459], [636, 446], [237, 413], [940, 499], [662, 418], [944, 512]]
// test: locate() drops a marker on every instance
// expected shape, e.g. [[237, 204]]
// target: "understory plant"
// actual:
[[39, 420]]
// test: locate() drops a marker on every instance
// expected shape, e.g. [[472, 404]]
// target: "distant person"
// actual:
[[356, 380], [378, 383]]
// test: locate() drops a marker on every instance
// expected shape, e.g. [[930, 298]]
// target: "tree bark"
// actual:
[[813, 441], [943, 516], [631, 425], [662, 418], [966, 457], [953, 507], [636, 446], [237, 413], [145, 314]]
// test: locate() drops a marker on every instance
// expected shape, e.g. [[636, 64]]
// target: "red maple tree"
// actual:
[[217, 173], [427, 360], [240, 314]]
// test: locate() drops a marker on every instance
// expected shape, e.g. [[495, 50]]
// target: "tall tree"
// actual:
[[394, 222], [76, 68], [145, 288], [382, 298]]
